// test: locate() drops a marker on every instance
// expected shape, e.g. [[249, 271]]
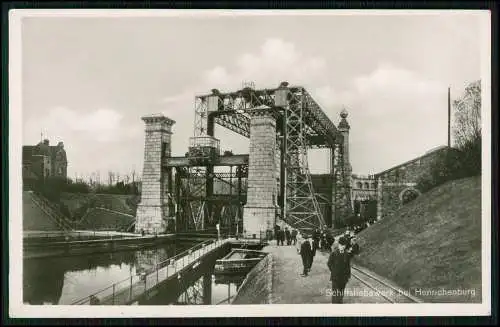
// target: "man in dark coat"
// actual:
[[288, 237], [294, 236], [306, 250], [277, 233], [339, 264], [314, 247], [316, 237]]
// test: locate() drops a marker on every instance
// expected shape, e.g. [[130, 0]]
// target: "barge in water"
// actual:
[[238, 261]]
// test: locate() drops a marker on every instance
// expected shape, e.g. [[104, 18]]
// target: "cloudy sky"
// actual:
[[87, 81]]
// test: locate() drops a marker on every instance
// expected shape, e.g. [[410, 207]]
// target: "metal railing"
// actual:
[[70, 236], [51, 211], [134, 286]]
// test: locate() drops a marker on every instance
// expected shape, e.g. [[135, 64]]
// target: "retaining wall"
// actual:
[[257, 286]]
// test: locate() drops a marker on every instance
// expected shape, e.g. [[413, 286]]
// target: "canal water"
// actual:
[[64, 280]]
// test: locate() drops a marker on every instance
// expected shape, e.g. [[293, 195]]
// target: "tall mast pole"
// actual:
[[449, 118]]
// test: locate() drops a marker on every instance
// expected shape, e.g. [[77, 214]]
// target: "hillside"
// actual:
[[34, 218], [126, 204], [104, 219], [432, 243], [101, 211]]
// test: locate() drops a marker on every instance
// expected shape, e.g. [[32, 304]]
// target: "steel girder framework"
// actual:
[[319, 130], [302, 124], [199, 208], [194, 293]]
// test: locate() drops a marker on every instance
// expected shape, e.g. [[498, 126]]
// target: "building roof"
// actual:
[[42, 149]]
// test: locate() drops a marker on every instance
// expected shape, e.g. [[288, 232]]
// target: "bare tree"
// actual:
[[110, 178], [467, 112]]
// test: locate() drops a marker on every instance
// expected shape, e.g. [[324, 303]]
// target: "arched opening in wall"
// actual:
[[408, 195]]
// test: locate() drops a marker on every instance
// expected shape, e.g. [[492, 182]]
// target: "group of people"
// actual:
[[285, 236], [343, 248]]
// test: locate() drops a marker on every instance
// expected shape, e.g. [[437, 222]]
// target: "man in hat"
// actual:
[[306, 252], [314, 247], [288, 236], [339, 264]]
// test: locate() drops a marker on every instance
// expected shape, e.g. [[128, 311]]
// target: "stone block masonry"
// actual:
[[152, 211], [260, 210]]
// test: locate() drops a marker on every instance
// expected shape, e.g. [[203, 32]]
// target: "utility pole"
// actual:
[[449, 118]]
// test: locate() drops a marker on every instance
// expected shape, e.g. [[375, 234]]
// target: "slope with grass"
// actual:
[[105, 219], [116, 202], [34, 218], [432, 245]]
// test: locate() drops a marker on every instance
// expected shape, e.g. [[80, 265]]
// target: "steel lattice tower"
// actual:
[[300, 125]]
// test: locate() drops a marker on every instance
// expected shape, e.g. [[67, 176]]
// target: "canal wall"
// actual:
[[54, 249], [257, 286]]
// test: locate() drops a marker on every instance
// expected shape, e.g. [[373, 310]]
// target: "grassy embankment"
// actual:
[[432, 243]]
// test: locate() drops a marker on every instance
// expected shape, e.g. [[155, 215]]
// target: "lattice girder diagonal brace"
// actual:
[[302, 125]]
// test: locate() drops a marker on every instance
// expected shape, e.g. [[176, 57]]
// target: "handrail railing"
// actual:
[[49, 209], [126, 290], [69, 236]]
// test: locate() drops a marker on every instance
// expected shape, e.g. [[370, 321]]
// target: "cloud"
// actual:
[[94, 140], [395, 113], [276, 60], [101, 125]]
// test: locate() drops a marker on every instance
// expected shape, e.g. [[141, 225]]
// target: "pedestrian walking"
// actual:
[[282, 237], [277, 233], [316, 237], [300, 240], [339, 264], [314, 247], [294, 237], [288, 236], [306, 254]]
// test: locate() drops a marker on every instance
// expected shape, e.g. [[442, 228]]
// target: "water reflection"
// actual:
[[64, 280], [222, 290]]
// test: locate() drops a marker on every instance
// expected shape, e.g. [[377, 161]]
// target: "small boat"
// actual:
[[238, 261]]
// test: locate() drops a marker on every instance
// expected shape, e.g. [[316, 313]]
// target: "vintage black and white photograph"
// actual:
[[201, 161]]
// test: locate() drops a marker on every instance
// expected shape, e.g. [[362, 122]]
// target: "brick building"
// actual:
[[397, 185], [44, 160]]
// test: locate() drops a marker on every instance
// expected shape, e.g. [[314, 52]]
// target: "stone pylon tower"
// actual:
[[259, 213], [342, 198], [152, 211], [344, 128]]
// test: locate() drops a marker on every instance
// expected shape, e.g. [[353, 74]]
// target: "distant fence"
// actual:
[[257, 286]]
